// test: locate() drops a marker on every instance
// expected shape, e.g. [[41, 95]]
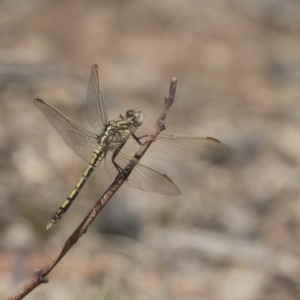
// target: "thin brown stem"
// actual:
[[40, 274]]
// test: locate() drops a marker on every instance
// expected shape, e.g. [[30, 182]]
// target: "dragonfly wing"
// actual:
[[176, 147], [82, 141], [96, 111], [142, 177]]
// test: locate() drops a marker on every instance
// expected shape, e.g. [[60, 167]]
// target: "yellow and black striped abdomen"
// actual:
[[97, 157]]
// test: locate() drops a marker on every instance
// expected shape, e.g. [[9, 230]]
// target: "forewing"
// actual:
[[82, 141], [142, 177], [96, 111], [176, 147]]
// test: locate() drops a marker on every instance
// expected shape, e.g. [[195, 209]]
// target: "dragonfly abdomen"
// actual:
[[97, 157]]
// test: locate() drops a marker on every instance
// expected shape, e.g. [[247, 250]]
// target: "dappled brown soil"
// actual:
[[234, 232]]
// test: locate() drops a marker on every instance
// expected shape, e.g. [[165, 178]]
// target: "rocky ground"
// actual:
[[234, 232]]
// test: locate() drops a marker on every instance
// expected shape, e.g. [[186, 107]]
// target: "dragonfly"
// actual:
[[116, 141]]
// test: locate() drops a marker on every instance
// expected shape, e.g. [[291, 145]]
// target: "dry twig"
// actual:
[[40, 274]]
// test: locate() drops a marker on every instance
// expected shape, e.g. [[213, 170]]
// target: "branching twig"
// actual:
[[40, 275]]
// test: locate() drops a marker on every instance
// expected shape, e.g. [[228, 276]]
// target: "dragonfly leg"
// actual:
[[122, 171], [138, 139], [113, 158]]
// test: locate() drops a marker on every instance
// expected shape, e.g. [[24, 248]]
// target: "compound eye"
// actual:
[[139, 115]]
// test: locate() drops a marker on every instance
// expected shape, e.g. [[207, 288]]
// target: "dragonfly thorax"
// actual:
[[135, 116]]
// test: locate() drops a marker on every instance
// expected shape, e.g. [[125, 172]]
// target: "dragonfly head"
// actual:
[[136, 116]]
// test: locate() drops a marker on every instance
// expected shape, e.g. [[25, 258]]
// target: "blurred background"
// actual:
[[234, 232]]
